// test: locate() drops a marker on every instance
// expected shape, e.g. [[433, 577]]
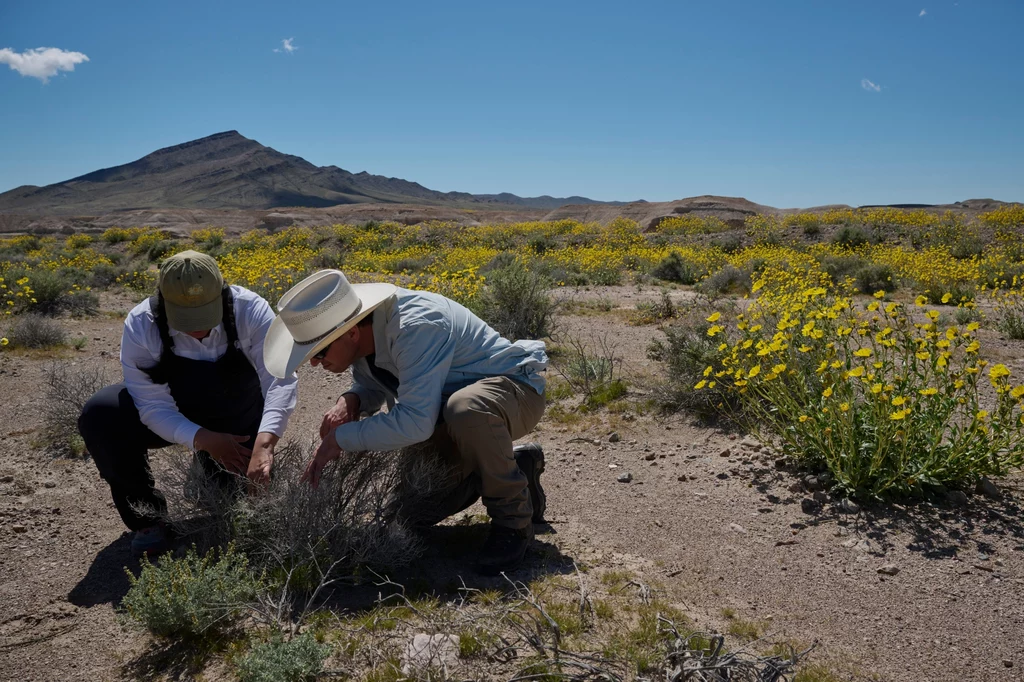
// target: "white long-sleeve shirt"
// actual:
[[141, 347]]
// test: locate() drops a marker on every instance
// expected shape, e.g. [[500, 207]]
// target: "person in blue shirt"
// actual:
[[445, 376]]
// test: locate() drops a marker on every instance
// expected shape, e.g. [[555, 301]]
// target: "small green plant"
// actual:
[[296, 660], [851, 237], [965, 314], [687, 351], [1010, 309], [675, 268], [874, 278], [728, 280], [745, 629], [191, 597]]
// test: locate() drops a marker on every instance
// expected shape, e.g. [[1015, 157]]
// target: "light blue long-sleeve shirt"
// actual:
[[434, 347]]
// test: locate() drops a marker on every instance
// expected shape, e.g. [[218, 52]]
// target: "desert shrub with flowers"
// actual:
[[888, 401]]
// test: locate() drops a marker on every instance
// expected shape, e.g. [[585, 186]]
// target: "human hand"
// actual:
[[344, 411], [224, 448], [328, 451], [262, 459]]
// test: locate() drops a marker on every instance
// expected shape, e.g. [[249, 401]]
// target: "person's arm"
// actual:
[[253, 316], [423, 354], [140, 347]]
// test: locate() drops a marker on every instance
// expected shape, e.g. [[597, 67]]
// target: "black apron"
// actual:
[[222, 395]]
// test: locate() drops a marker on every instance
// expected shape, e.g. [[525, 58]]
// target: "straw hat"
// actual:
[[315, 312]]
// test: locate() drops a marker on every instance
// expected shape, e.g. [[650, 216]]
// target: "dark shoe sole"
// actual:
[[488, 569], [530, 458]]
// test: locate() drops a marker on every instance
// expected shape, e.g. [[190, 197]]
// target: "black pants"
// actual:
[[118, 442]]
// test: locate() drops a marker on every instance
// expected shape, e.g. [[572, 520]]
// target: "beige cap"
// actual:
[[191, 286]]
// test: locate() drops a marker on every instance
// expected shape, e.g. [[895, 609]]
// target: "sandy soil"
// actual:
[[708, 514]]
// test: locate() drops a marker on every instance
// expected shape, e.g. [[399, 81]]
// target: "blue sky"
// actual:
[[788, 103]]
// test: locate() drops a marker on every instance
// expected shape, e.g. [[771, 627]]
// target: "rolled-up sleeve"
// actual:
[[279, 395], [423, 355], [156, 406]]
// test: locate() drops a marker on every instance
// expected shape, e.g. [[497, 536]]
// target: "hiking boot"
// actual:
[[151, 542], [504, 549], [530, 459]]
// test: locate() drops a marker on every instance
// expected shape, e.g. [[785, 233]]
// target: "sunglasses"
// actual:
[[322, 353]]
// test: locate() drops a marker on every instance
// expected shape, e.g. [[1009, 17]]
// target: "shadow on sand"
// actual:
[[106, 582]]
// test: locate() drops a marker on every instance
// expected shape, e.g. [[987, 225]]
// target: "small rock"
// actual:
[[737, 528], [19, 528], [657, 523], [49, 484], [625, 478], [750, 444], [849, 506], [820, 497], [428, 651], [732, 436], [614, 437], [723, 476], [988, 488], [727, 452], [781, 463], [813, 483], [809, 506], [957, 498], [1007, 663], [613, 466], [7, 479], [889, 569], [650, 457], [682, 477]]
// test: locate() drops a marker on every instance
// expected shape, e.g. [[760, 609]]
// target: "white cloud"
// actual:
[[286, 46], [869, 86], [42, 62], [922, 13]]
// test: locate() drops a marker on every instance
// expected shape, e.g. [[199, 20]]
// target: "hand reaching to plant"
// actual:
[[262, 458], [224, 448], [344, 411], [328, 451]]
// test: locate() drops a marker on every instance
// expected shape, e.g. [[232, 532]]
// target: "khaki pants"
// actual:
[[475, 441]]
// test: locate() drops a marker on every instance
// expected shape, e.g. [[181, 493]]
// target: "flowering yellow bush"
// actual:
[[890, 405]]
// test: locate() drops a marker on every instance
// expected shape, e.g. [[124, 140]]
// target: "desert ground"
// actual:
[[710, 519]]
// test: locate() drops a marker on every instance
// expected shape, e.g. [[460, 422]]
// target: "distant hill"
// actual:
[[230, 171]]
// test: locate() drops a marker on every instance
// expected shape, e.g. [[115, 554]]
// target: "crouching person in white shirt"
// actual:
[[192, 358]]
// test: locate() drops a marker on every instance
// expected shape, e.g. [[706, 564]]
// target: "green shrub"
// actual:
[[687, 351], [728, 280], [296, 660], [190, 597], [35, 331], [730, 243], [874, 278], [965, 314], [49, 290], [517, 304], [967, 247], [675, 268], [839, 268], [851, 237]]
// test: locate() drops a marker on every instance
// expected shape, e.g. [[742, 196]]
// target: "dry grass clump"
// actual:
[[68, 387], [36, 331], [360, 515]]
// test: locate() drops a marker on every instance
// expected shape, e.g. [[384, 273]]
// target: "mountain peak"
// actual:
[[227, 170]]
